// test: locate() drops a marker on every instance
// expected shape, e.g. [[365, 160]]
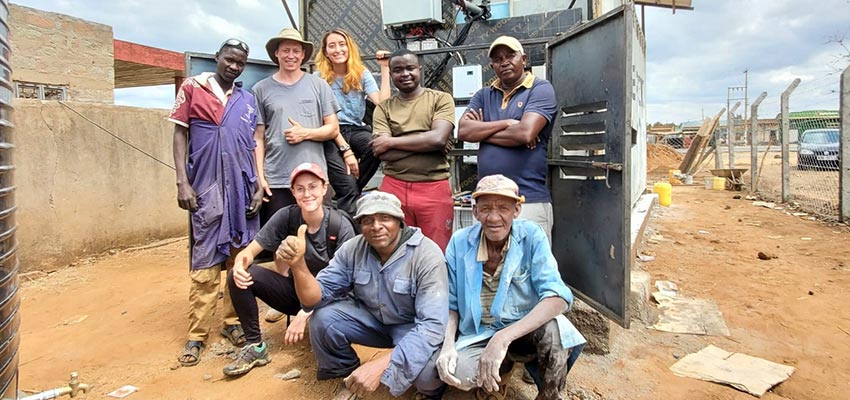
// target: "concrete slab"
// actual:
[[640, 217], [639, 297]]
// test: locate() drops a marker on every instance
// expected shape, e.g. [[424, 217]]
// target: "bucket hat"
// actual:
[[288, 34]]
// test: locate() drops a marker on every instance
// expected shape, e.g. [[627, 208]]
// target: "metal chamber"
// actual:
[[9, 283]]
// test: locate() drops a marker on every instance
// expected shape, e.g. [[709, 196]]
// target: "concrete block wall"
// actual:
[[80, 191], [58, 49]]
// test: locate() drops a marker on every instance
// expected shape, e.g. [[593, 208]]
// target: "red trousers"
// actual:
[[427, 205]]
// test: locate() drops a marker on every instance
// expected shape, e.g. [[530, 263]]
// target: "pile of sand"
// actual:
[[662, 155]]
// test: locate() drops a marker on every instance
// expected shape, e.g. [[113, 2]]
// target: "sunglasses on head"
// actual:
[[236, 43]]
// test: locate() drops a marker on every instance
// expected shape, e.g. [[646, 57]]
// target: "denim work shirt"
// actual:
[[411, 287], [529, 275]]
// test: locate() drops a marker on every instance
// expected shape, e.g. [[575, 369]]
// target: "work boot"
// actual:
[[273, 315], [250, 356]]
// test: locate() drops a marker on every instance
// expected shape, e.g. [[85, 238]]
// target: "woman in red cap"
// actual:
[[324, 228]]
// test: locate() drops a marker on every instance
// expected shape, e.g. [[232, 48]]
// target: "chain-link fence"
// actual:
[[811, 163]]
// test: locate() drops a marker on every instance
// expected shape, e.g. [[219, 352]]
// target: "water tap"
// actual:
[[76, 386]]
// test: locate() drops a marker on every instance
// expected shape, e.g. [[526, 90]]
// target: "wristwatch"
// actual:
[[345, 148]]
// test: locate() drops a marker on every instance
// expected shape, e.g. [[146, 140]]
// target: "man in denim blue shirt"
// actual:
[[506, 301], [385, 288]]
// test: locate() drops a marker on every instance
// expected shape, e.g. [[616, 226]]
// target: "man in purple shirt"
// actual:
[[217, 184]]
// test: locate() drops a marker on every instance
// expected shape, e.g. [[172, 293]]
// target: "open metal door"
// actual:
[[592, 68]]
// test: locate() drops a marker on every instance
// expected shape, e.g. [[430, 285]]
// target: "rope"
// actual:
[[116, 136]]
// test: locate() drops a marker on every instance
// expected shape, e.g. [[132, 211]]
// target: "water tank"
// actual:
[[9, 301]]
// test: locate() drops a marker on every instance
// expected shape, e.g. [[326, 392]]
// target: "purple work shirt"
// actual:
[[220, 167]]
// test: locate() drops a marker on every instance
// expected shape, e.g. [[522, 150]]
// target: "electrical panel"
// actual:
[[397, 13], [466, 80]]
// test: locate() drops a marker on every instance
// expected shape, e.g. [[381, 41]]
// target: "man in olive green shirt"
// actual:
[[412, 135]]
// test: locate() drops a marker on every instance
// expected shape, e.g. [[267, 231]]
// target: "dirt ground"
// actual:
[[120, 319], [813, 190]]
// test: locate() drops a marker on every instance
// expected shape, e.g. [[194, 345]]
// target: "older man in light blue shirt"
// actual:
[[506, 300], [385, 288]]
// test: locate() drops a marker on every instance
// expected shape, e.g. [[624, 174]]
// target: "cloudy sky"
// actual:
[[692, 56]]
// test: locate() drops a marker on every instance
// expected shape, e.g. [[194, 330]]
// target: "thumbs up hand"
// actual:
[[292, 249], [297, 133]]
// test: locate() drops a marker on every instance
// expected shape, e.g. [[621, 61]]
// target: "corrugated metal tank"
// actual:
[[9, 284]]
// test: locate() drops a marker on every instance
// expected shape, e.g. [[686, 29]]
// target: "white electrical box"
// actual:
[[466, 80], [459, 111], [539, 71], [396, 13], [429, 44]]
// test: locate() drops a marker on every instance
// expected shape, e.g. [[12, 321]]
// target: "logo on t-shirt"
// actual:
[[519, 104]]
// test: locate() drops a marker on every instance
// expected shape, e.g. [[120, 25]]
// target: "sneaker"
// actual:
[[250, 356], [273, 315]]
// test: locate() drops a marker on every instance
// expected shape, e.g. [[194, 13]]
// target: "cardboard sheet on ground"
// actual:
[[694, 316], [745, 373]]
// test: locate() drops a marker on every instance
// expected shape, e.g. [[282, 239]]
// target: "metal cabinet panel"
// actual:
[[590, 159]]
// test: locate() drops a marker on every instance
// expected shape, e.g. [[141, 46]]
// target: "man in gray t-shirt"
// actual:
[[296, 114]]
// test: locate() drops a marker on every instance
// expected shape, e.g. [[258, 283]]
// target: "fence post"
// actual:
[[844, 134], [754, 148], [786, 132], [730, 133], [717, 162]]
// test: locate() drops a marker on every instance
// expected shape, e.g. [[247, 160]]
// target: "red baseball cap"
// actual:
[[312, 168]]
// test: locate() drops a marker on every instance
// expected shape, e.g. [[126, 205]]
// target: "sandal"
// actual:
[[422, 396], [234, 334], [501, 394], [191, 353], [481, 394]]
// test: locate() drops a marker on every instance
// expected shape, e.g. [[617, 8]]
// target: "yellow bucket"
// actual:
[[719, 183], [672, 177], [665, 193]]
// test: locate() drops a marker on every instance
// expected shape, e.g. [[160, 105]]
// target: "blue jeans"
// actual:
[[336, 326]]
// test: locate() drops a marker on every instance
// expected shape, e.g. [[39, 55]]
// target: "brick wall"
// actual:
[[58, 49]]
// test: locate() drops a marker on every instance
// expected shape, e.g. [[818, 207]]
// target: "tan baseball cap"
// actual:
[[507, 41], [499, 185]]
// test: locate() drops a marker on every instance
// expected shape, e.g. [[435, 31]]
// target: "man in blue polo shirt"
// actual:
[[512, 120]]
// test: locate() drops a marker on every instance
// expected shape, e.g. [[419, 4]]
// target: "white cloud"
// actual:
[[692, 56], [147, 97], [204, 23], [250, 4]]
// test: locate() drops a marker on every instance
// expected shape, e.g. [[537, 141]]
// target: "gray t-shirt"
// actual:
[[307, 101], [316, 254]]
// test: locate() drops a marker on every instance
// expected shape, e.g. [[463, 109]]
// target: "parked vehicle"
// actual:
[[819, 149]]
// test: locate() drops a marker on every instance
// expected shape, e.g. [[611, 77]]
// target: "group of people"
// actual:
[[260, 170]]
